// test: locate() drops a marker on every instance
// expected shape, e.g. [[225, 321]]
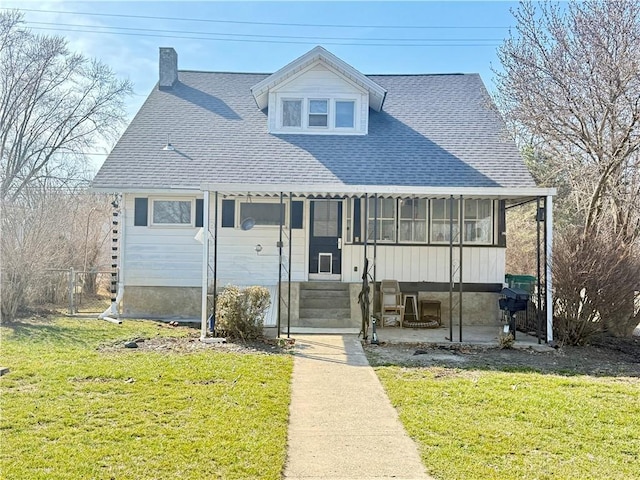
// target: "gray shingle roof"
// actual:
[[433, 131]]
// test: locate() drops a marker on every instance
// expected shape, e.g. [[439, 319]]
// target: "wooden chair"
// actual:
[[391, 304]]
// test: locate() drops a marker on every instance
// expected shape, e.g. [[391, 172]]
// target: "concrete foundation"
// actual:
[[162, 302]]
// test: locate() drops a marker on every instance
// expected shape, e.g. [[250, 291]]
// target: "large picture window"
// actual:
[[413, 220], [171, 212], [386, 219], [262, 213]]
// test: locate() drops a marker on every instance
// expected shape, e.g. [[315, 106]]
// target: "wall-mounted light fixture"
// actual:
[[258, 248]]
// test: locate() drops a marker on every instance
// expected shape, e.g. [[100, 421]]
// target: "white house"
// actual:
[[302, 174]]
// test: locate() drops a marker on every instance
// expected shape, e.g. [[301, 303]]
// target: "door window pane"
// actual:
[[325, 218]]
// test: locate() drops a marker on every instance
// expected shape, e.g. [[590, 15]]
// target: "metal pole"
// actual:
[[548, 257], [214, 313], [205, 264], [451, 268], [72, 275], [460, 238], [280, 265], [290, 254], [375, 249], [538, 271]]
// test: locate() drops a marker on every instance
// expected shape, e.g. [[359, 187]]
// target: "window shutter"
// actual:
[[502, 224], [228, 213], [297, 213], [357, 222], [199, 212], [141, 212]]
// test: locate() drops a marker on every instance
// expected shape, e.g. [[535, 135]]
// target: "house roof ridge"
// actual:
[[365, 74]]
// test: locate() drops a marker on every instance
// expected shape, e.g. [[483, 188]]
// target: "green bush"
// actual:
[[240, 312]]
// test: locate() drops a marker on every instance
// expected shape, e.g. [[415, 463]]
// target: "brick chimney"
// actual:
[[168, 67]]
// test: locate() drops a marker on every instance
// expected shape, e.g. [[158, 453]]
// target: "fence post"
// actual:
[[72, 277]]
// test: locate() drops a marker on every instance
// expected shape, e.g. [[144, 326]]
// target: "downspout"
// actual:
[[117, 232]]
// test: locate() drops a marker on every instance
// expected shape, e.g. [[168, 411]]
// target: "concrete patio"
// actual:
[[471, 335]]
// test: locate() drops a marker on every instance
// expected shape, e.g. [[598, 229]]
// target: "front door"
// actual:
[[325, 244]]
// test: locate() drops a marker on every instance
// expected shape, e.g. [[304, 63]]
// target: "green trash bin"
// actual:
[[524, 282]]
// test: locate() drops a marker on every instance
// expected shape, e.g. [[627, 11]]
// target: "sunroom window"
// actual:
[[171, 212], [292, 113], [441, 220], [318, 113], [386, 219], [413, 220], [478, 223]]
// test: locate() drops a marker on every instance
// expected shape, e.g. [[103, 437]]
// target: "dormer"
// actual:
[[318, 94]]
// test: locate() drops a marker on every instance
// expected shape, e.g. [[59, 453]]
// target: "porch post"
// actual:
[[289, 269], [280, 265], [460, 239], [375, 250], [451, 268], [205, 265], [549, 259], [214, 313], [538, 273]]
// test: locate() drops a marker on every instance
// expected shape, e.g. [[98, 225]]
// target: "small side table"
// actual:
[[430, 310], [410, 308]]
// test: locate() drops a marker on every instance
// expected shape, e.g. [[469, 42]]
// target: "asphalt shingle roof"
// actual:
[[434, 130]]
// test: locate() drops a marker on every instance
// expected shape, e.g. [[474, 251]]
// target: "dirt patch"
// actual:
[[605, 357], [191, 343]]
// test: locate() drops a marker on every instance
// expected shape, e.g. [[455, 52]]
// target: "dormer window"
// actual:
[[292, 113], [318, 113], [345, 114]]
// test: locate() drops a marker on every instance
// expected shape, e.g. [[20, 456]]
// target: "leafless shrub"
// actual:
[[594, 279], [241, 311]]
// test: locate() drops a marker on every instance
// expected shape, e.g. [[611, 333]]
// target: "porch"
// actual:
[[474, 335]]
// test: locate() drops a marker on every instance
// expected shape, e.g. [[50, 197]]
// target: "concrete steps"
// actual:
[[324, 304]]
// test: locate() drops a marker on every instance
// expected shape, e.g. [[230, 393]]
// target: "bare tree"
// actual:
[[571, 89], [55, 106]]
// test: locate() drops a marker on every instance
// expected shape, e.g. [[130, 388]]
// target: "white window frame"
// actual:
[[328, 103], [152, 206], [371, 217], [461, 222], [413, 221], [305, 100], [241, 202]]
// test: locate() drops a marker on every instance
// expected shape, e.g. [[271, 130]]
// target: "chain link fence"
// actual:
[[75, 292]]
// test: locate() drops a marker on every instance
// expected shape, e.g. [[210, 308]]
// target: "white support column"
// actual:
[[205, 264], [548, 216]]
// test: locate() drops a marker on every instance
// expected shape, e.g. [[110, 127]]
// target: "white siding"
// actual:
[[159, 256], [318, 80], [426, 264]]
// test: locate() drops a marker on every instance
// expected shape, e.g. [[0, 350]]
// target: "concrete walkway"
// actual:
[[341, 424]]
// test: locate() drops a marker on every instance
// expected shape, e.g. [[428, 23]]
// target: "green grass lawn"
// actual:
[[73, 411], [472, 424]]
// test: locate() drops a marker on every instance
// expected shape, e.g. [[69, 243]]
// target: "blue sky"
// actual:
[[431, 37]]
